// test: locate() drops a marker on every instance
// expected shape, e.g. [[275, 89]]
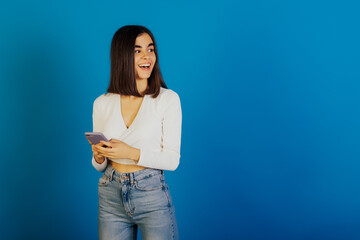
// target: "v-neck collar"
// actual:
[[137, 115]]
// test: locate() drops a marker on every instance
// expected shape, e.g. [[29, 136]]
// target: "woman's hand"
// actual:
[[99, 158], [116, 149]]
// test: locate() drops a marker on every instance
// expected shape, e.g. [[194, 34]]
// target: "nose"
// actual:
[[145, 55]]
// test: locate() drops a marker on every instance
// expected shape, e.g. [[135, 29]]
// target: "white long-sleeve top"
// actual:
[[156, 129]]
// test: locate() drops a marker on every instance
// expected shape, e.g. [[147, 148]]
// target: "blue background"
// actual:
[[270, 100]]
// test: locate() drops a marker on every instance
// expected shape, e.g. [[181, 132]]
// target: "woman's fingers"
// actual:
[[109, 155], [102, 149], [98, 154], [95, 151], [107, 144], [94, 147]]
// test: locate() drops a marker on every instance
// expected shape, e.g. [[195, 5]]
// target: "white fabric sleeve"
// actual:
[[169, 156], [98, 127], [99, 167]]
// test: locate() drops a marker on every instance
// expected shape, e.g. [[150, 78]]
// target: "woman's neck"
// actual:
[[141, 85]]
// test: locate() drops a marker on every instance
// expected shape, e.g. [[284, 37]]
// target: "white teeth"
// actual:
[[144, 65]]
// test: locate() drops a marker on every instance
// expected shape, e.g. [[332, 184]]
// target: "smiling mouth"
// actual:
[[145, 66]]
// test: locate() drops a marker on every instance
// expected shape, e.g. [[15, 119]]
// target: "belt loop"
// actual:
[[132, 179]]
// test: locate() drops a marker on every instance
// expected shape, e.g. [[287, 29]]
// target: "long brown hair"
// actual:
[[122, 71]]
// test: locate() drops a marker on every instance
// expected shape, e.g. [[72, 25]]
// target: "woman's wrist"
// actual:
[[99, 160], [134, 154]]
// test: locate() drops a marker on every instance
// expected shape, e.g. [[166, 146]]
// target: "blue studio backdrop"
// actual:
[[270, 100]]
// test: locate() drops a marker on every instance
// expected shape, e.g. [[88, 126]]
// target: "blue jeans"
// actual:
[[131, 200]]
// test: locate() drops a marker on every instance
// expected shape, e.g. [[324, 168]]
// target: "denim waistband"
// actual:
[[112, 173]]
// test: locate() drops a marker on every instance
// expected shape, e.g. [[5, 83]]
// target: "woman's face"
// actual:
[[144, 56]]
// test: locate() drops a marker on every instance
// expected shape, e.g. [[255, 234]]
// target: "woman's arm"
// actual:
[[99, 162], [169, 156]]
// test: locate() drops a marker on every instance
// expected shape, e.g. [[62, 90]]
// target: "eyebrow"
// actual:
[[138, 46]]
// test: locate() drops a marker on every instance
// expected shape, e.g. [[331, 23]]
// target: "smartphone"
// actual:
[[96, 137]]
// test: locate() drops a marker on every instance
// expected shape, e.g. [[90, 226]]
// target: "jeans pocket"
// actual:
[[103, 181], [150, 183]]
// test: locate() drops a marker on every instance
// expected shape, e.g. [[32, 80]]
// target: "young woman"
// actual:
[[142, 119]]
